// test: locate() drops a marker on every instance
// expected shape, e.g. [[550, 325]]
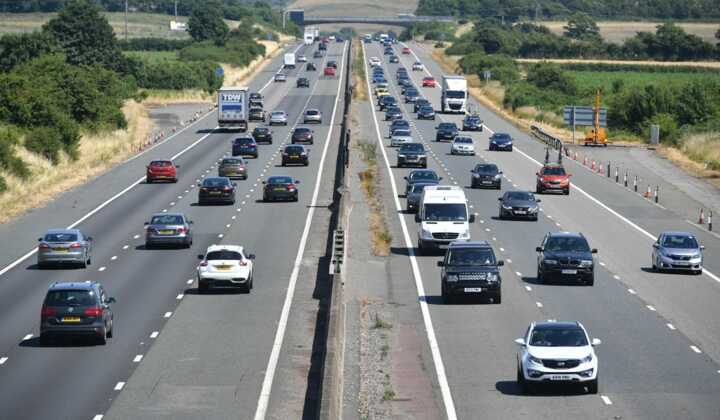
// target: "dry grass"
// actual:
[[360, 92], [463, 29], [681, 159], [708, 64], [98, 153], [618, 32], [380, 236]]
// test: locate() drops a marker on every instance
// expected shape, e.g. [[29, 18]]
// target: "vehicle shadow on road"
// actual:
[[209, 130], [512, 388], [64, 342], [63, 267], [512, 219], [457, 300], [195, 291]]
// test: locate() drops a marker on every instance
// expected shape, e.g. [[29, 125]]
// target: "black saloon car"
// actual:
[[386, 101], [303, 82], [245, 146], [263, 134], [412, 154], [280, 188], [310, 67], [486, 175], [518, 204], [565, 256], [295, 154], [412, 198], [393, 113], [470, 269], [216, 189], [419, 103], [446, 131], [302, 135], [426, 112]]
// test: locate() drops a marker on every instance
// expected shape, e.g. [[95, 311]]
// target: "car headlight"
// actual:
[[491, 277], [497, 176], [534, 360], [400, 155], [588, 358], [698, 255], [426, 234], [550, 262], [533, 209], [452, 277], [586, 263], [475, 175], [506, 207], [465, 234]]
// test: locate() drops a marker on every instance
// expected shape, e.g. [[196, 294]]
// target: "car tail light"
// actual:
[[46, 312], [203, 264], [242, 263], [44, 246], [181, 230], [93, 312], [76, 245], [291, 187]]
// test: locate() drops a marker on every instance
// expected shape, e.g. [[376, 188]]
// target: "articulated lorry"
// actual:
[[454, 94], [232, 108]]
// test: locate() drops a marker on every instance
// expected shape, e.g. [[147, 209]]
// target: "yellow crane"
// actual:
[[596, 136]]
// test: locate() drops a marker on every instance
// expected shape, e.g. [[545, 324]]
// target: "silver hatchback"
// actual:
[[312, 116], [64, 246], [278, 117], [168, 229], [677, 251]]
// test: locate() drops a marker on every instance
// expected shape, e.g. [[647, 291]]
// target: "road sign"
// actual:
[[583, 116], [219, 72]]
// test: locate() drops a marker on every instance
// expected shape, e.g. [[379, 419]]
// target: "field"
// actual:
[[617, 32], [370, 8], [605, 79]]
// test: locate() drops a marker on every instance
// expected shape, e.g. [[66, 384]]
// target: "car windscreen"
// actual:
[[519, 195], [418, 188], [223, 254], [465, 140], [486, 169], [423, 175], [60, 237], [500, 137], [161, 163], [280, 180], [302, 130], [445, 212], [166, 219], [261, 130], [278, 114], [412, 147], [215, 182], [312, 112], [447, 126], [411, 92], [554, 171], [567, 243], [471, 256], [680, 241], [399, 123], [426, 109], [294, 149], [558, 337], [401, 133], [455, 94], [472, 119], [244, 141], [70, 298], [232, 161]]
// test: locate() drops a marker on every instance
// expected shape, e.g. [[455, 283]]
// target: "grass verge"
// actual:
[[379, 233], [360, 92]]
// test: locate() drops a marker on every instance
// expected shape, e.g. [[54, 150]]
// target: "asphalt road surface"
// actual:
[[661, 342], [215, 358]]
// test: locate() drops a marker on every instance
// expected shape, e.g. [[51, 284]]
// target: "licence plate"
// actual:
[[215, 193], [487, 182], [166, 232], [684, 263], [223, 267], [559, 377], [520, 212], [279, 189], [60, 249], [569, 271], [473, 290], [71, 319]]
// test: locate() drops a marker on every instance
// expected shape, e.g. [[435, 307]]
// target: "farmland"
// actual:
[[605, 79]]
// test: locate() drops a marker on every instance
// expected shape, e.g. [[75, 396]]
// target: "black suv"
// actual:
[[387, 101], [412, 154], [295, 153], [76, 309], [303, 82], [446, 131], [262, 134], [565, 255], [486, 175], [216, 189], [245, 146], [518, 204], [310, 67], [472, 123], [470, 269]]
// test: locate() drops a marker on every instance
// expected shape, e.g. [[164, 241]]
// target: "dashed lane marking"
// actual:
[[167, 315], [102, 268], [3, 360], [154, 334], [113, 258], [606, 400], [528, 288], [27, 337], [632, 292], [650, 307], [539, 304], [695, 349], [180, 296], [126, 246], [671, 326], [119, 386], [138, 358]]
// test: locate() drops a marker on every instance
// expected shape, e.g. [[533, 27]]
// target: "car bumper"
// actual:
[[278, 122], [463, 152], [568, 273], [471, 288], [538, 373], [291, 160], [555, 187], [222, 281], [96, 328], [444, 137], [223, 198], [61, 257], [152, 177], [501, 146], [245, 152], [234, 175], [282, 195], [671, 264], [472, 128], [486, 183], [312, 120], [418, 162], [518, 214], [168, 240]]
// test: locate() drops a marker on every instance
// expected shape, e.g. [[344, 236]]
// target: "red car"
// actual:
[[406, 50], [329, 71], [161, 170], [429, 82], [552, 177]]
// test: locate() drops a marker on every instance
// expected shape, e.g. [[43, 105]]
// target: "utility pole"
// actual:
[[126, 20], [175, 10], [537, 10]]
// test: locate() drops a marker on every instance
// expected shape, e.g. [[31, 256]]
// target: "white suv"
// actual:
[[557, 352], [225, 267]]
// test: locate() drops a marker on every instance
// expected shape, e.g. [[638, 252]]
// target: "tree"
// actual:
[[85, 35], [551, 76], [206, 23], [717, 36], [581, 26], [20, 48]]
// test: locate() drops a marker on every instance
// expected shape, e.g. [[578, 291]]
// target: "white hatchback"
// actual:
[[374, 61], [462, 146], [225, 267], [557, 352], [400, 137]]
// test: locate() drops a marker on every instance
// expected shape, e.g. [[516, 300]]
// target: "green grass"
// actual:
[[153, 56], [605, 79]]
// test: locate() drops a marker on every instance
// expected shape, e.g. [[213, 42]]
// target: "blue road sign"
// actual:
[[219, 72], [583, 116]]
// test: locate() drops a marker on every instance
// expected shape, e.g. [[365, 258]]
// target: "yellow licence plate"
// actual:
[[166, 232], [71, 319], [223, 267], [61, 249]]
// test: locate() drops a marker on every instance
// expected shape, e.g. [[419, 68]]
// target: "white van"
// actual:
[[443, 217]]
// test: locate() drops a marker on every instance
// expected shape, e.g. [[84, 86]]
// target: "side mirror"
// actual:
[[405, 178], [251, 256], [199, 185], [520, 342], [537, 173], [471, 219], [89, 238], [234, 184], [440, 178], [417, 218], [596, 342], [190, 222], [264, 182], [147, 223], [499, 198], [297, 181], [110, 300], [200, 256], [538, 201], [702, 247], [39, 239], [500, 172], [569, 175], [177, 166], [539, 249], [500, 263], [441, 263], [656, 246], [594, 250]]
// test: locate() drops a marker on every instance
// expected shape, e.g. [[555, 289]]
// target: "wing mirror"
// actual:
[[234, 184], [500, 263], [110, 300], [190, 222], [539, 249], [201, 257], [499, 198], [538, 201], [520, 341], [89, 238], [702, 247], [596, 342], [147, 223], [251, 256], [594, 250], [471, 219], [177, 166], [39, 239], [656, 246], [297, 181], [405, 178], [441, 263]]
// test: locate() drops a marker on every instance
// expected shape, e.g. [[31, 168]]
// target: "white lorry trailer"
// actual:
[[454, 94], [309, 36], [232, 108], [289, 61]]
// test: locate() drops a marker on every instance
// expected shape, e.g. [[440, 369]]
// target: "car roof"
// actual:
[[470, 244], [215, 247], [557, 325], [76, 285], [168, 214], [414, 171], [677, 233], [287, 146], [566, 235], [62, 230], [280, 176], [215, 178]]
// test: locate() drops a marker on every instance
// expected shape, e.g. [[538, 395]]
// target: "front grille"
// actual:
[[568, 262], [472, 276], [553, 182], [561, 364], [445, 235], [455, 106], [520, 209], [681, 257]]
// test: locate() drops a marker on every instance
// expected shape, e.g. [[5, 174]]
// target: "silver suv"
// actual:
[[677, 251]]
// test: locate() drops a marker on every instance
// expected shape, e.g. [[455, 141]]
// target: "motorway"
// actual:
[[221, 350], [660, 356]]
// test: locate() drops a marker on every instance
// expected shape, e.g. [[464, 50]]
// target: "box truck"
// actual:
[[454, 94], [309, 36], [289, 61], [232, 108]]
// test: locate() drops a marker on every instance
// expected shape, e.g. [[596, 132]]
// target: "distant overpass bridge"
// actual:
[[404, 21]]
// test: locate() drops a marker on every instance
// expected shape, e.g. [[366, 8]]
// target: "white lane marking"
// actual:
[[494, 238], [482, 221], [549, 216], [138, 358], [172, 203], [126, 246], [519, 274], [113, 258], [696, 349], [539, 305], [650, 307], [167, 315], [27, 337], [264, 399], [528, 288], [487, 229], [606, 399], [180, 296], [102, 268], [671, 326], [227, 226], [190, 281], [3, 360], [602, 263], [509, 261], [180, 196], [632, 292], [154, 334], [98, 417], [234, 217], [616, 277], [119, 386], [502, 249], [164, 210], [557, 224], [450, 413], [220, 235]]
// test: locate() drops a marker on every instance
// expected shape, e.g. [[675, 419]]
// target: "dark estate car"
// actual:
[[302, 135], [245, 146], [421, 175], [520, 204], [393, 113], [470, 269], [419, 103], [280, 188], [565, 256], [386, 101], [486, 175], [233, 167], [76, 309], [412, 154], [501, 141], [472, 123], [216, 190], [263, 134], [446, 131], [426, 112], [295, 153], [412, 198], [411, 95], [303, 82], [394, 59]]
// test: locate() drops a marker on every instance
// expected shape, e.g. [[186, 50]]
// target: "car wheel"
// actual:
[[500, 215], [44, 339], [111, 330], [510, 149], [592, 386], [497, 299], [202, 286], [306, 163], [282, 163], [540, 276], [148, 245], [83, 264], [538, 189], [522, 383], [102, 338], [295, 198], [499, 186], [174, 180], [567, 191], [535, 219], [591, 281]]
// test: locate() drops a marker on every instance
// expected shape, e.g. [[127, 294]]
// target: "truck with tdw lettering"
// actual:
[[454, 94], [232, 108]]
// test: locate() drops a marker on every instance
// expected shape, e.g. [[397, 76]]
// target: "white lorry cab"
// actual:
[[289, 61], [454, 94], [443, 217]]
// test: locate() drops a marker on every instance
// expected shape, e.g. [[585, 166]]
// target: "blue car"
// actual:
[[379, 79], [501, 141]]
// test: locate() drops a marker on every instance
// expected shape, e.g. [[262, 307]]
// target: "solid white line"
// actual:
[[671, 326], [616, 277], [632, 292], [154, 334], [509, 261], [190, 281], [606, 400], [98, 417], [519, 274], [113, 258], [650, 307], [450, 413], [180, 296], [167, 315], [264, 399], [539, 305], [119, 386], [695, 349], [528, 288], [138, 358], [27, 337], [3, 360], [102, 268]]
